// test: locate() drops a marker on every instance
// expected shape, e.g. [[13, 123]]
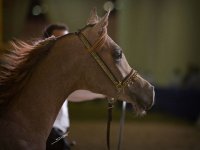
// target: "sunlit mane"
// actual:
[[16, 65]]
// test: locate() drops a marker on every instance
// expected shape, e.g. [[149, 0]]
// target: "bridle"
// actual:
[[119, 85]]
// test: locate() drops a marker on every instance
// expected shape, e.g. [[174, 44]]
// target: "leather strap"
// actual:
[[110, 106]]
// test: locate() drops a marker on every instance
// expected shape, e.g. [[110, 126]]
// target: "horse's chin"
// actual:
[[141, 113], [138, 109]]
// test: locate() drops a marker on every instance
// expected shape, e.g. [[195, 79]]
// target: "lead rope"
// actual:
[[110, 108], [121, 128], [111, 102]]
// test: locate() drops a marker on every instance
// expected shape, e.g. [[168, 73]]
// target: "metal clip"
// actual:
[[59, 138]]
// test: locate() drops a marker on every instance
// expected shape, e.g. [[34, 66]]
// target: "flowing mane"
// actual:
[[17, 63]]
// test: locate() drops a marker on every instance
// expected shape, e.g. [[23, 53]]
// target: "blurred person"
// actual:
[[56, 30], [62, 123]]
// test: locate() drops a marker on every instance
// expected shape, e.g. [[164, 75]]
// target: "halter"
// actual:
[[119, 85]]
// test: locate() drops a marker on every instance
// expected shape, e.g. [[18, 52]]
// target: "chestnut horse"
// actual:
[[36, 79]]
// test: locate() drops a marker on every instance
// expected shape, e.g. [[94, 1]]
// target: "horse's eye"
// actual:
[[117, 54]]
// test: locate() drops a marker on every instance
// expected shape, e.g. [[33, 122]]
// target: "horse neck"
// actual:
[[52, 81]]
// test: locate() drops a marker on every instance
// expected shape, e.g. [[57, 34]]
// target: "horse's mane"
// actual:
[[17, 63]]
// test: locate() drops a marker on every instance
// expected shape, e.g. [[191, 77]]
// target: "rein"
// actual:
[[119, 85]]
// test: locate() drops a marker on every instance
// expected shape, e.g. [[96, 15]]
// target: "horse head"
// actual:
[[108, 71]]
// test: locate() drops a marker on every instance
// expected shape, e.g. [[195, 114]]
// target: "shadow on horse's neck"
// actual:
[[55, 77]]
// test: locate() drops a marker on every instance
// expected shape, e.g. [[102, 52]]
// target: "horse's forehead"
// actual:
[[112, 43]]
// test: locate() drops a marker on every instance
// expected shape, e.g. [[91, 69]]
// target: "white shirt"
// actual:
[[62, 120]]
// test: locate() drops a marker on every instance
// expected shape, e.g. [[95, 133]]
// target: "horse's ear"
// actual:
[[103, 23], [93, 19]]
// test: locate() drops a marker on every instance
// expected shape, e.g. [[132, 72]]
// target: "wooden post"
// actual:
[[1, 23]]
